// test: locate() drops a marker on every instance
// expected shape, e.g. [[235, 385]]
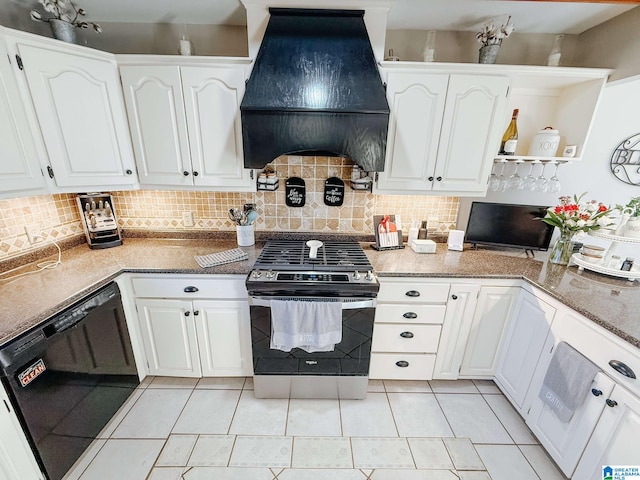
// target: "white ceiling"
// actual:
[[527, 16]]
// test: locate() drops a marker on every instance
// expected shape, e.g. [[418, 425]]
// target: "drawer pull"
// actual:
[[406, 334], [410, 315], [402, 363], [596, 392], [611, 403], [190, 289], [622, 368], [412, 293]]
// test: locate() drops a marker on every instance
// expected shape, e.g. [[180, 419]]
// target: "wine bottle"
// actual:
[[510, 137]]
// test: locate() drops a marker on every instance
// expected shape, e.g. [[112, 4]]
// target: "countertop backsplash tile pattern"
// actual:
[[56, 216]]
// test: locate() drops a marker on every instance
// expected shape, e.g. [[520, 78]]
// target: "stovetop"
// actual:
[[341, 268], [333, 256]]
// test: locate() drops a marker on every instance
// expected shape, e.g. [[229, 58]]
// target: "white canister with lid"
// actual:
[[545, 143]]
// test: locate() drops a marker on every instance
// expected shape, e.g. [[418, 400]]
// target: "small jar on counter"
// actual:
[[614, 262], [627, 264]]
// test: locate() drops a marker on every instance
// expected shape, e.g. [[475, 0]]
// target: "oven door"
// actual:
[[350, 357]]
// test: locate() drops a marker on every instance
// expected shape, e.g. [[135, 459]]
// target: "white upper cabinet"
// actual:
[[443, 132], [185, 122], [155, 107], [77, 103], [20, 168], [417, 106], [470, 133]]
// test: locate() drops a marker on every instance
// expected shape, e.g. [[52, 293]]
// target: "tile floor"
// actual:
[[214, 428]]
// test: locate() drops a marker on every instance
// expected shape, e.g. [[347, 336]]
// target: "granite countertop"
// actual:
[[27, 300]]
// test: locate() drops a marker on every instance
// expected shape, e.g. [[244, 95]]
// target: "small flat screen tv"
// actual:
[[508, 225]]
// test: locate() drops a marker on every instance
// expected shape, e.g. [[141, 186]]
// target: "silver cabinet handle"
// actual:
[[622, 368], [402, 363], [406, 334]]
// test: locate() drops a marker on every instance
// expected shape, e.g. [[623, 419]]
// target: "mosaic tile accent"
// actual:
[[56, 216]]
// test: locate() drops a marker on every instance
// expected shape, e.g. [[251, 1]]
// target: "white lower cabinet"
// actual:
[[222, 328], [614, 441], [455, 331], [565, 442], [523, 345], [407, 327], [169, 336], [16, 459], [203, 337], [488, 330]]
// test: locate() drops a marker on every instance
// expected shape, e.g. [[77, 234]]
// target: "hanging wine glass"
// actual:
[[529, 181], [502, 180], [514, 182], [541, 181], [494, 181], [553, 185]]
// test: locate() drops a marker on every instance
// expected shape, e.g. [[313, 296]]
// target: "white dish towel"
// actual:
[[567, 381], [313, 326]]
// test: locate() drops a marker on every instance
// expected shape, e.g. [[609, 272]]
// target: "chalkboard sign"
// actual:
[[295, 192], [333, 192]]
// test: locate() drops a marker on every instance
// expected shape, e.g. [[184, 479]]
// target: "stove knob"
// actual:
[[369, 275], [356, 275], [256, 274], [271, 274]]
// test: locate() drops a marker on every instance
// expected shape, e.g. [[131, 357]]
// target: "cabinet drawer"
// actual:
[[190, 286], [413, 292], [405, 338], [410, 314], [387, 366]]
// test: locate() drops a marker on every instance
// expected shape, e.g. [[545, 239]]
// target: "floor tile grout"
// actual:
[[387, 389]]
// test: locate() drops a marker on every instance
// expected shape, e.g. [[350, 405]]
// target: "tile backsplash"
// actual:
[[56, 216]]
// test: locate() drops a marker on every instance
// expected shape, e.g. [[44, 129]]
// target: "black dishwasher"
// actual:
[[68, 376]]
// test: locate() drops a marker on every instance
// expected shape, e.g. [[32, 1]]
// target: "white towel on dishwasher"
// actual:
[[309, 325]]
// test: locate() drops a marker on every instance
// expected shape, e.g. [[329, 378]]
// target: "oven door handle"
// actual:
[[347, 303]]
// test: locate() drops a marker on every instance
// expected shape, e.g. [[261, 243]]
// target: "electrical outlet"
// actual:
[[32, 236], [187, 219]]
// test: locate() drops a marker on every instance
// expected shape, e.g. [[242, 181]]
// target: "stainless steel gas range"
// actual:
[[304, 292]]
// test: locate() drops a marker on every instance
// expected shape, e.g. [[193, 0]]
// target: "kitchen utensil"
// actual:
[[252, 216], [314, 245]]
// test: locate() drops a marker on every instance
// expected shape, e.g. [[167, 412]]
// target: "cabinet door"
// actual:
[[212, 102], [565, 441], [615, 438], [155, 107], [224, 337], [16, 459], [19, 169], [494, 308], [78, 103], [523, 345], [470, 132], [455, 330], [169, 336], [417, 105]]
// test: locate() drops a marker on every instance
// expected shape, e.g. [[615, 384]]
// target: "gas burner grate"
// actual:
[[294, 255]]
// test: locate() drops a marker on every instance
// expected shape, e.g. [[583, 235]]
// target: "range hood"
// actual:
[[315, 89]]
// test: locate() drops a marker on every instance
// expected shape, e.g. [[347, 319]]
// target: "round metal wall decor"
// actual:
[[625, 160]]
